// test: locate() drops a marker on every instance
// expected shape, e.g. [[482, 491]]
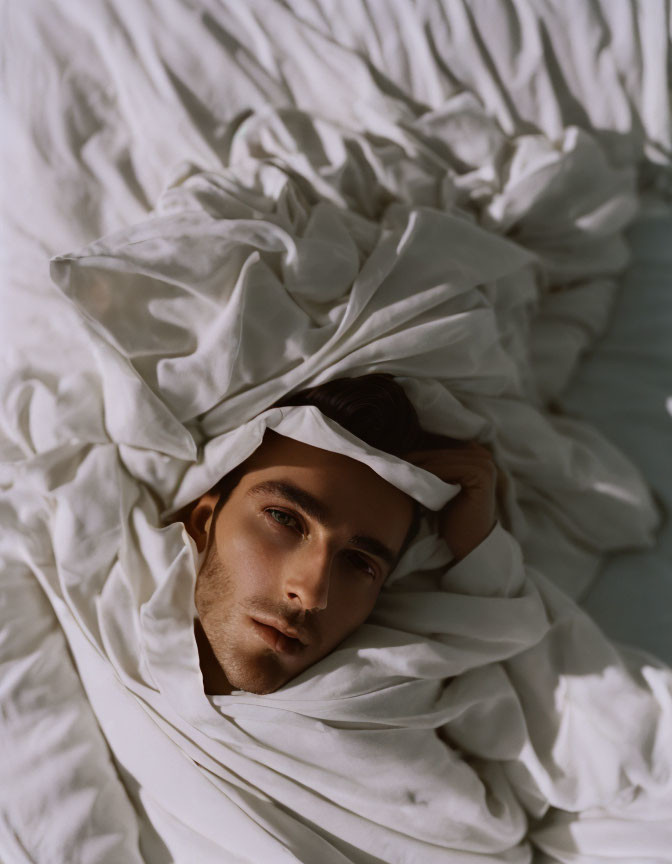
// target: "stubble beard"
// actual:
[[214, 600]]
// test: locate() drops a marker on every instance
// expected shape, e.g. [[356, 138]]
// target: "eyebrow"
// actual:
[[319, 511]]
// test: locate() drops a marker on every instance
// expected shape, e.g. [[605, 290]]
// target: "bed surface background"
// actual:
[[624, 387]]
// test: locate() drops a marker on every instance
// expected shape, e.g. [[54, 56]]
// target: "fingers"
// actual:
[[468, 448], [471, 455], [472, 464]]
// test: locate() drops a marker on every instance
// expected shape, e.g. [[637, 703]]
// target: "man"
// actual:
[[298, 541]]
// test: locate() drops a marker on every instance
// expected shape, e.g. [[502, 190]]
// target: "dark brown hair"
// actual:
[[374, 408]]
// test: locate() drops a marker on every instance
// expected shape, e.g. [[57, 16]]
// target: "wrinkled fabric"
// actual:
[[237, 201]]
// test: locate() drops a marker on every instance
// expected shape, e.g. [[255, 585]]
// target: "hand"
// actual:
[[468, 519]]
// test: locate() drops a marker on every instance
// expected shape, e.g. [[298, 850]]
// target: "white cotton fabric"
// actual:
[[283, 196]]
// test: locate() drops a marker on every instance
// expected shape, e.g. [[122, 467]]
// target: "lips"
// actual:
[[279, 636]]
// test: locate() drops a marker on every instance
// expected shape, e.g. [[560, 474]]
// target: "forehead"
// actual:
[[333, 476]]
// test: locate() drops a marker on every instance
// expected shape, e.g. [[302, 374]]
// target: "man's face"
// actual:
[[296, 557]]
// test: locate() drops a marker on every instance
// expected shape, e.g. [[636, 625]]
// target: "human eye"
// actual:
[[361, 563], [283, 518]]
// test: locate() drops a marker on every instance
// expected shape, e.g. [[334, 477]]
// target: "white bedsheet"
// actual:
[[447, 206]]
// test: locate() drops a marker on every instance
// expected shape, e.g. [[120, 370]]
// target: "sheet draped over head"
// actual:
[[367, 237], [306, 423]]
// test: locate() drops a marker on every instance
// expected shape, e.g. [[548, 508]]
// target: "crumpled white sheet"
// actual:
[[474, 715]]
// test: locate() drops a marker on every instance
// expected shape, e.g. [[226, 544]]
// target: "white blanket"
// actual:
[[440, 207]]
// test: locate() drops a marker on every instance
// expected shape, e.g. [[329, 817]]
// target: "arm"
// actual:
[[470, 517]]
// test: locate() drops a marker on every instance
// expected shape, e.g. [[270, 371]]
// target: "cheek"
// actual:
[[213, 588], [247, 555]]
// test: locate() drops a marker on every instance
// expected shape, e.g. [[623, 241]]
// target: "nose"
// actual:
[[307, 577]]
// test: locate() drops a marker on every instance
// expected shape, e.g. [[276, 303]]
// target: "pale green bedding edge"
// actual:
[[623, 387]]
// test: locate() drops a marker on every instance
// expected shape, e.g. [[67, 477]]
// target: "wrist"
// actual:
[[465, 545]]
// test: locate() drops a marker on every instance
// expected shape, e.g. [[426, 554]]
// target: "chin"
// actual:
[[259, 690], [253, 679], [252, 684]]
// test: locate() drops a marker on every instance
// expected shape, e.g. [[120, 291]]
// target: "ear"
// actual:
[[199, 520]]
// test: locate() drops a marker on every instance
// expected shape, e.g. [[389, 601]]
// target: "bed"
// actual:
[[473, 197]]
